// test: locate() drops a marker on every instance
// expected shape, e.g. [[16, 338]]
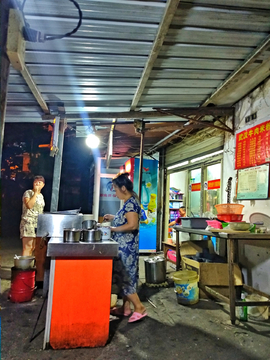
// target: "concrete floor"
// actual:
[[171, 331]]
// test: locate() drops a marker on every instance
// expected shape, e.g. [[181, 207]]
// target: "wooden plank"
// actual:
[[164, 25], [215, 294], [214, 111], [230, 246], [255, 291]]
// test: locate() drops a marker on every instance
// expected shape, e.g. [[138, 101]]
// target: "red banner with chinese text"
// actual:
[[213, 184], [196, 187], [253, 146]]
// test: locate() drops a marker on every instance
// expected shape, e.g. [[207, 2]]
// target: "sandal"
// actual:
[[118, 311], [136, 317]]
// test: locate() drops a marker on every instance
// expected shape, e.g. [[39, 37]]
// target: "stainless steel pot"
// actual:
[[24, 262], [72, 235], [91, 235], [155, 270], [89, 224]]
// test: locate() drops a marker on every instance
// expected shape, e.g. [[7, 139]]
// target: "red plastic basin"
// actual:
[[230, 217]]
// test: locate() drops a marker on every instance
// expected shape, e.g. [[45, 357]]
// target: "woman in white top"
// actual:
[[33, 205]]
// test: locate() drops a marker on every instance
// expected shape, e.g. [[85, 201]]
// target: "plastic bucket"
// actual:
[[257, 312], [186, 287], [106, 232], [22, 285]]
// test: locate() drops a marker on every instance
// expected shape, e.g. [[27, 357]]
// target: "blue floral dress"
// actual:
[[125, 266]]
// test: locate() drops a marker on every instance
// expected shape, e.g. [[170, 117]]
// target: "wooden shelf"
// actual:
[[166, 247]]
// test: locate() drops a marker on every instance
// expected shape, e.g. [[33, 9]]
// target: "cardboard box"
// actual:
[[191, 248], [213, 273]]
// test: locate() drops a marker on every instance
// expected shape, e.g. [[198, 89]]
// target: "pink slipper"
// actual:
[[118, 311], [136, 317]]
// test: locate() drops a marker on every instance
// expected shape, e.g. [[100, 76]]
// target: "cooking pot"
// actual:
[[89, 224], [155, 269], [91, 235], [72, 235], [24, 262]]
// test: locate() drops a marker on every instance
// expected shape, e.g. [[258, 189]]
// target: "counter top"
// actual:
[[231, 235], [103, 249]]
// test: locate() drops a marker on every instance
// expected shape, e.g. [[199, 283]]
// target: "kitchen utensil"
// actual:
[[92, 235], [155, 270], [260, 217], [89, 224], [24, 262], [105, 223], [230, 217], [229, 208], [240, 226], [72, 235]]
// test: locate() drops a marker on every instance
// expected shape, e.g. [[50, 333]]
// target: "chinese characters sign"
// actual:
[[253, 146], [196, 187], [213, 184]]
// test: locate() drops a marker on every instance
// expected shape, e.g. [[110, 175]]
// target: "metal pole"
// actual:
[[58, 166], [141, 165], [161, 200]]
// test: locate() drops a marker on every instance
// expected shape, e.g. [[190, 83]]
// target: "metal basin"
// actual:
[[72, 235], [24, 262], [91, 235], [89, 224]]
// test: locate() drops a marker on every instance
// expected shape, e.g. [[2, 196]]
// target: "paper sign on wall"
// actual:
[[253, 183], [253, 146]]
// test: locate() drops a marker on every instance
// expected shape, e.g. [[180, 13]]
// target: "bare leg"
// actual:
[[40, 256], [126, 304], [28, 246], [138, 306]]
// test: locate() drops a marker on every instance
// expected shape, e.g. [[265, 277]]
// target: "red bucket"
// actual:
[[22, 285]]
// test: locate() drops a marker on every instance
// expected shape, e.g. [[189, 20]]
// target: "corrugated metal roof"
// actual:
[[100, 67]]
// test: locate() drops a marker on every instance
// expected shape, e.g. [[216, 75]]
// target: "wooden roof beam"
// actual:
[[187, 111], [244, 79], [164, 25]]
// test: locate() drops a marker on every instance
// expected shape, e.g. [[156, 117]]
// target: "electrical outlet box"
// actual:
[[251, 117], [15, 40]]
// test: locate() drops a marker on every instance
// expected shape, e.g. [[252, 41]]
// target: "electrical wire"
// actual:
[[54, 37]]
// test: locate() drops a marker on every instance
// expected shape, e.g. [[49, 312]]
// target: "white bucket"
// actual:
[[257, 312], [106, 232]]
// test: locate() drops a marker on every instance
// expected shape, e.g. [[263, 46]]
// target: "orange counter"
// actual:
[[78, 311], [81, 303]]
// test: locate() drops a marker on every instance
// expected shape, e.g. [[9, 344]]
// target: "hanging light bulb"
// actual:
[[92, 141]]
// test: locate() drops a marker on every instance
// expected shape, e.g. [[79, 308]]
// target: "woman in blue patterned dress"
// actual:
[[125, 231]]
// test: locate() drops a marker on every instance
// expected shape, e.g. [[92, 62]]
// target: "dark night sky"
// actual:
[[76, 187]]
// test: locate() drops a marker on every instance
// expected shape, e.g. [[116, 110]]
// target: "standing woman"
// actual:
[[125, 229], [33, 205]]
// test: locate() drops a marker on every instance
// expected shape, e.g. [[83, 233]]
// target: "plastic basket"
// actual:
[[230, 217], [229, 208]]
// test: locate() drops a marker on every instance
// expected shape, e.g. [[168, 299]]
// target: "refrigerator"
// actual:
[[148, 221]]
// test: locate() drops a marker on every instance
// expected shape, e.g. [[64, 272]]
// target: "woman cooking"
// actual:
[[33, 205], [125, 231]]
